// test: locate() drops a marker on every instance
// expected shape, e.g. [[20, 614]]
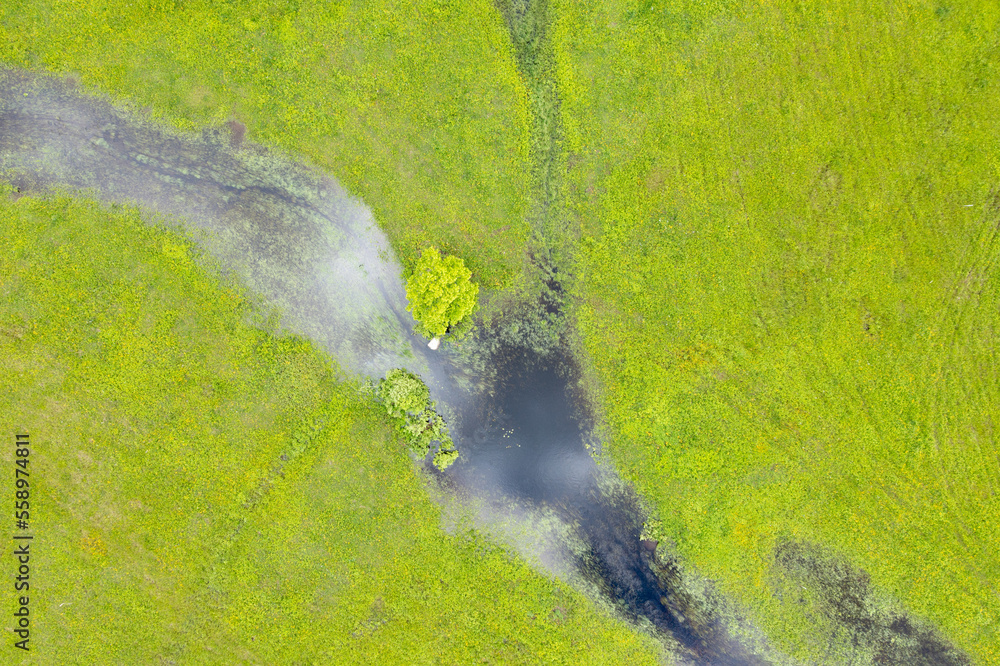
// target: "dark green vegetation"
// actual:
[[421, 113], [553, 244], [789, 291], [208, 492], [407, 400], [441, 294]]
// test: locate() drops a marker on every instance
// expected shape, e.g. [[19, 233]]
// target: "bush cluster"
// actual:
[[407, 400]]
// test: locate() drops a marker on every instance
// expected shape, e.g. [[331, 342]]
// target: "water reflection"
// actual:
[[525, 441]]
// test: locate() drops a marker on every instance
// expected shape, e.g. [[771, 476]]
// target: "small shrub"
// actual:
[[407, 400]]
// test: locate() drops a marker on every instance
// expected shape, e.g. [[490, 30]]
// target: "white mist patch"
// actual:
[[289, 233], [538, 535], [314, 254]]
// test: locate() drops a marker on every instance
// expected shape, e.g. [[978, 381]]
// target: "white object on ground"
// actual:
[[433, 344]]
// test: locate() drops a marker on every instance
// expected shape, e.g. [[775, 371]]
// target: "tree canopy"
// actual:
[[441, 293]]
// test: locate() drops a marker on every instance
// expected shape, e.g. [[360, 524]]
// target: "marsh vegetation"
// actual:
[[775, 226], [212, 488]]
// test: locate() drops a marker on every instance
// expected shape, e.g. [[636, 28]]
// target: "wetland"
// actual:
[[728, 385]]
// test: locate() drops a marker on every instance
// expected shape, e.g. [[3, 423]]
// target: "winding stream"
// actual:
[[314, 253]]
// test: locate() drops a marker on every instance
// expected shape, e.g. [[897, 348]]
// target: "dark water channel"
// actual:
[[524, 438], [313, 252]]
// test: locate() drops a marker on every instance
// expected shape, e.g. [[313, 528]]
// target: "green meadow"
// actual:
[[779, 226], [205, 491], [787, 288], [415, 106]]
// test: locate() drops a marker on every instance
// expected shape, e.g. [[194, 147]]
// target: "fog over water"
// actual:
[[292, 235], [297, 239]]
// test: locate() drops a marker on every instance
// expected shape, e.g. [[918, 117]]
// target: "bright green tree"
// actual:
[[441, 293]]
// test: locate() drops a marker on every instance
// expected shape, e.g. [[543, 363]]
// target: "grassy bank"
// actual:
[[790, 291], [205, 492], [416, 107]]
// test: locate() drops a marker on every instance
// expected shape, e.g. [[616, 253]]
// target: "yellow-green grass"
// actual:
[[415, 106], [790, 290], [203, 491]]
